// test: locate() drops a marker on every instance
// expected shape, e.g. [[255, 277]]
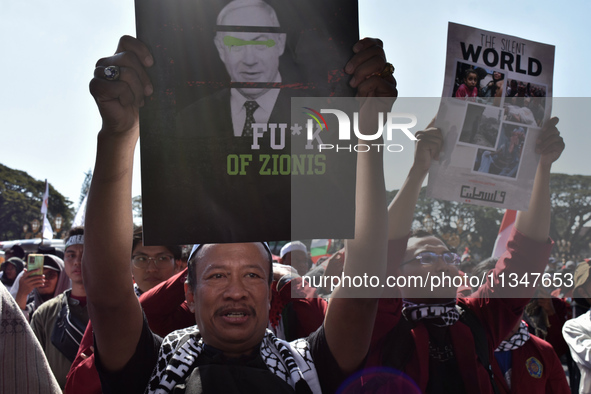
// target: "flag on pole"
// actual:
[[504, 231], [45, 202], [47, 232], [81, 214]]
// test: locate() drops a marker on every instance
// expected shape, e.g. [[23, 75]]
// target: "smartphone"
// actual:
[[35, 261]]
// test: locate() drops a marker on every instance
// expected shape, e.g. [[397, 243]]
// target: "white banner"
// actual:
[[496, 96]]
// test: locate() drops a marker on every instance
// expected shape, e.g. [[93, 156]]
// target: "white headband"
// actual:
[[75, 240], [291, 246], [196, 247]]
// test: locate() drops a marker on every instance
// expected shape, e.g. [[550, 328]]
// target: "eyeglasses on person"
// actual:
[[142, 261], [430, 258], [50, 274]]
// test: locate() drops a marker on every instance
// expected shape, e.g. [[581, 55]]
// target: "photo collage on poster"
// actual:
[[500, 107], [217, 129], [497, 93]]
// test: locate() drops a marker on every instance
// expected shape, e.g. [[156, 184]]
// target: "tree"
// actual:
[[85, 187], [136, 206], [20, 203], [478, 228], [571, 211], [459, 225]]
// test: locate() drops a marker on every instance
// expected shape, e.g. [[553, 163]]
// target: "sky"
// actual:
[[49, 121]]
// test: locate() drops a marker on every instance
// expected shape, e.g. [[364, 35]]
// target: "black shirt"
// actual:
[[215, 373]]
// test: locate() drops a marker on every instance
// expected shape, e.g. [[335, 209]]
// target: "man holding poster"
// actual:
[[228, 288]]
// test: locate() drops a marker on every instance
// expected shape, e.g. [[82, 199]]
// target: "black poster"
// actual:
[[218, 145]]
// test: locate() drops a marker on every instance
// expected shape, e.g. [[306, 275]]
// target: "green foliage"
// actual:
[[459, 225], [571, 211], [20, 203], [136, 206], [85, 187]]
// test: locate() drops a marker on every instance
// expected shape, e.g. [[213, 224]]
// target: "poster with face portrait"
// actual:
[[216, 136], [496, 96]]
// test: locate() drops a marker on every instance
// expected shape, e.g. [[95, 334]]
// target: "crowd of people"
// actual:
[[228, 310], [112, 315]]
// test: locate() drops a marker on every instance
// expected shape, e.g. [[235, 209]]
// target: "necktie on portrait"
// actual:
[[250, 107]]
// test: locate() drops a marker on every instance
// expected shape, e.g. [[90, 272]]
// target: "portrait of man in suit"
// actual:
[[220, 67], [249, 42]]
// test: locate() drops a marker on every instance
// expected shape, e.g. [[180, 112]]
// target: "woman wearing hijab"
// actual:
[[10, 270]]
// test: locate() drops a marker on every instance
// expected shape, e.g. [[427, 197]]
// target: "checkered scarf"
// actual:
[[137, 290], [440, 315], [290, 361], [516, 341]]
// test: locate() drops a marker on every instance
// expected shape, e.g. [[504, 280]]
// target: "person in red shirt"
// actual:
[[468, 89], [526, 363], [425, 335]]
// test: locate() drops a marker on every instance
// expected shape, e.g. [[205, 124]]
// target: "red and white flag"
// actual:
[[319, 248], [504, 231]]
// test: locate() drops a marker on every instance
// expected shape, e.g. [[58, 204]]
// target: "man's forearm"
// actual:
[[535, 222], [364, 256], [107, 248], [367, 250], [402, 209], [112, 305]]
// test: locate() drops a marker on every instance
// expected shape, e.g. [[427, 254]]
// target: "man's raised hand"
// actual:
[[119, 100]]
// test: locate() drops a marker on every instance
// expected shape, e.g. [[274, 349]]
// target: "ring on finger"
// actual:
[[387, 71], [111, 73]]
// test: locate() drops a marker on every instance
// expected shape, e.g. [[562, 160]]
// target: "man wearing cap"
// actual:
[[33, 288], [60, 322], [228, 286], [295, 254]]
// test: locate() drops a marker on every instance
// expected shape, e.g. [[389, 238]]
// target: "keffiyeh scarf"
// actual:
[[290, 361], [516, 341], [440, 315], [137, 290]]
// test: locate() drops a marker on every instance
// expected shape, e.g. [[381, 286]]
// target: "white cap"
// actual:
[[291, 246]]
